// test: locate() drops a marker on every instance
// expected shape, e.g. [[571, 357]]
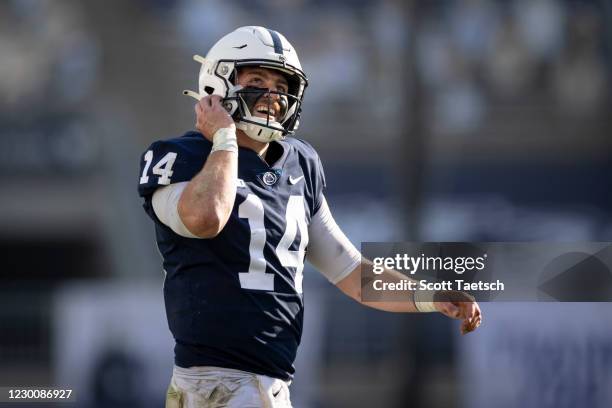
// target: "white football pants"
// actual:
[[212, 387]]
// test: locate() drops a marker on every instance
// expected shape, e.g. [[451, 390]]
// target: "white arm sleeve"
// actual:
[[329, 250], [165, 205]]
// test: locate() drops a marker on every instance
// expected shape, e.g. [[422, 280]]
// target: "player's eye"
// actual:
[[255, 81]]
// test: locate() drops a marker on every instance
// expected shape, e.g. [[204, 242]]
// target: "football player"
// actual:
[[238, 205]]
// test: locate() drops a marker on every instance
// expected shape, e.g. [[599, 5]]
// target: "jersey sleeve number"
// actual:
[[163, 168], [256, 278]]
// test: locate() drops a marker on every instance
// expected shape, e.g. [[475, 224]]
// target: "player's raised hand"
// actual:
[[211, 116], [459, 305]]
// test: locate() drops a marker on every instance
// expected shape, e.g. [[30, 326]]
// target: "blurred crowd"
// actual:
[[509, 76], [471, 55], [476, 54], [49, 58]]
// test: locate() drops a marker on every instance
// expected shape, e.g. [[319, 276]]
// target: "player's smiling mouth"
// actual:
[[265, 111]]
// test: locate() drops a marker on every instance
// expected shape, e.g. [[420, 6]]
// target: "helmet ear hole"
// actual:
[[209, 90]]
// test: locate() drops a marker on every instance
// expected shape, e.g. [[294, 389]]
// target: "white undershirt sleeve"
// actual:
[[165, 205], [329, 250]]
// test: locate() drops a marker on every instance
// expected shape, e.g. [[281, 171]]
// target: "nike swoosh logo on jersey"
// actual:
[[240, 47], [294, 180]]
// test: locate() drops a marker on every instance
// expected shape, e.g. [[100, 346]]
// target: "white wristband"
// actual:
[[225, 139], [424, 301]]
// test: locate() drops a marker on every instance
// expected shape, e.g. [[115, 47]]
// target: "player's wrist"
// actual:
[[225, 139], [424, 301]]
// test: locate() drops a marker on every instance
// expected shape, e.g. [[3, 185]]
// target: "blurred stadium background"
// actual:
[[436, 120]]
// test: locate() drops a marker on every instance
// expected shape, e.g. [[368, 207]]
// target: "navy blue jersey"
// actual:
[[236, 300]]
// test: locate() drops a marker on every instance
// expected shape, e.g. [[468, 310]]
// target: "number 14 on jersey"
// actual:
[[256, 278]]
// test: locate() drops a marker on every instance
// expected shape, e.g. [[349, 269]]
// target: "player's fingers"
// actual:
[[451, 310], [215, 101], [205, 103], [472, 321], [198, 108], [199, 114], [468, 309], [469, 325], [466, 327], [477, 316]]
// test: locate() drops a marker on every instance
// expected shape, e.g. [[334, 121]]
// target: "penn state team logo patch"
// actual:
[[269, 178]]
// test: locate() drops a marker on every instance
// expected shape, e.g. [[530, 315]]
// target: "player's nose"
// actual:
[[272, 95], [271, 87]]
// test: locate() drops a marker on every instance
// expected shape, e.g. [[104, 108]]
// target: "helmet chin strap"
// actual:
[[258, 132]]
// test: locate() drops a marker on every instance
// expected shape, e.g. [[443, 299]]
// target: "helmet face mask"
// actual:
[[254, 47], [242, 104]]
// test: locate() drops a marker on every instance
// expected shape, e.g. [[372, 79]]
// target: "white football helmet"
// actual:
[[261, 47]]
